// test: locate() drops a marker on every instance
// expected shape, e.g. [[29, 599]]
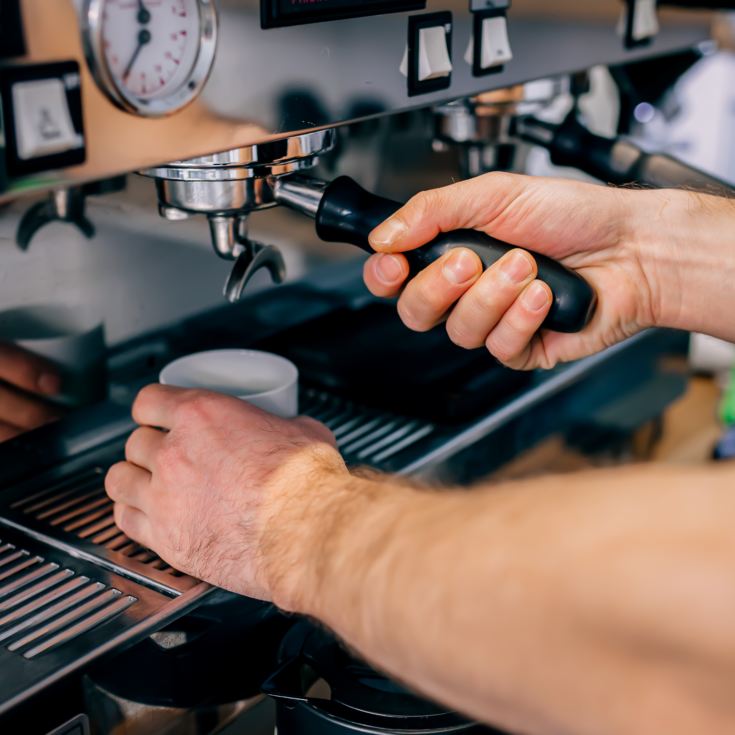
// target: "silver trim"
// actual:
[[90, 621], [565, 377], [364, 436], [60, 606], [55, 592], [92, 38]]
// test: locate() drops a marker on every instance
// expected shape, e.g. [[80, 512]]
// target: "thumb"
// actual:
[[471, 204]]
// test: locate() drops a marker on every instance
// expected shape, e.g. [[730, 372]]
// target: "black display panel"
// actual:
[[277, 13], [12, 42]]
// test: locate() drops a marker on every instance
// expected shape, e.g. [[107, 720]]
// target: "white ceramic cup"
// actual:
[[71, 339], [266, 380]]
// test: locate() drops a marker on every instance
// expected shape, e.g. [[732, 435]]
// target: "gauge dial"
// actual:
[[151, 56]]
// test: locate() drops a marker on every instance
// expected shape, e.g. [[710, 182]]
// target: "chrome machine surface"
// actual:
[[264, 83], [221, 102]]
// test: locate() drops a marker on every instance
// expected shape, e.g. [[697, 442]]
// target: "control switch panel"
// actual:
[[489, 49], [43, 123], [427, 61], [639, 23], [434, 60], [42, 117]]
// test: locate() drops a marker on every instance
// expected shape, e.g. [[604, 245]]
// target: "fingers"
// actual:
[[133, 523], [385, 274], [143, 447], [156, 405], [467, 204], [28, 372], [429, 295], [24, 411], [128, 484], [8, 431], [482, 307], [514, 338]]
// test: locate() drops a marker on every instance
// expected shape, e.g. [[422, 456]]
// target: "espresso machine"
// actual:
[[222, 114]]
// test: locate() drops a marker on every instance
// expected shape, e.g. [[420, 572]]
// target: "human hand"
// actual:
[[591, 229], [228, 493], [26, 381]]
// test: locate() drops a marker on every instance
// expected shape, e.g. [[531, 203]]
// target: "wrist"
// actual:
[[683, 242], [305, 496], [350, 535]]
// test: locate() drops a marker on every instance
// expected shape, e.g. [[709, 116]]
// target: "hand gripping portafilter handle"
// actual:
[[348, 213]]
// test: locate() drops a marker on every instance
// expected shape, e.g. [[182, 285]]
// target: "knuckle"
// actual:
[[421, 306], [144, 397], [409, 317], [499, 347], [193, 408], [425, 201], [120, 514], [169, 458], [112, 479], [131, 443], [460, 335], [31, 415], [492, 292], [499, 178]]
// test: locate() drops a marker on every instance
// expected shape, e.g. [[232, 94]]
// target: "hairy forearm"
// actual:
[[686, 244], [600, 603]]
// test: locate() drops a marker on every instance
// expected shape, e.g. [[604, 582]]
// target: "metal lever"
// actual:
[[62, 205], [253, 257], [616, 161]]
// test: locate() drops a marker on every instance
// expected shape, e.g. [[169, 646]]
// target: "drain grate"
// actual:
[[79, 505], [44, 605], [69, 505], [364, 436]]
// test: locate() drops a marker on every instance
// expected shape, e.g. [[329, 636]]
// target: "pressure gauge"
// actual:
[[150, 57]]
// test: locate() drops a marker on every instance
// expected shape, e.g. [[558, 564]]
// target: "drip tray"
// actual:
[[58, 612], [69, 505]]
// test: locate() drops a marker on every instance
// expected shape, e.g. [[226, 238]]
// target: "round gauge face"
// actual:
[[154, 55]]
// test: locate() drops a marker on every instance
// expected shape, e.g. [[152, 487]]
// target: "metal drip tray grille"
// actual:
[[44, 605], [59, 610], [80, 506], [76, 508], [365, 436]]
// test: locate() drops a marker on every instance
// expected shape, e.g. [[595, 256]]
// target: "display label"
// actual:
[[275, 13]]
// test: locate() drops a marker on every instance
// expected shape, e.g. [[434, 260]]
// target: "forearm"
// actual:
[[686, 243], [596, 603]]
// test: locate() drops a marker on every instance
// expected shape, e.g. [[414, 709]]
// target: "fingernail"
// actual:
[[460, 267], [517, 267], [49, 384], [389, 268], [388, 234], [536, 296]]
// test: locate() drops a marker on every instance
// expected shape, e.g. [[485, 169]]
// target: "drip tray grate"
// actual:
[[44, 605], [74, 508], [79, 505], [59, 610], [364, 436]]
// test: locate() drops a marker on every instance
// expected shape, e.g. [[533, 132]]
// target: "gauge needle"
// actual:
[[144, 38], [144, 15]]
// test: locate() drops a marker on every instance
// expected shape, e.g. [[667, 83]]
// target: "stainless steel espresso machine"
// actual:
[[214, 111]]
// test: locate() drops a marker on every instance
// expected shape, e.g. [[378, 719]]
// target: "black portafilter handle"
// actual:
[[348, 213]]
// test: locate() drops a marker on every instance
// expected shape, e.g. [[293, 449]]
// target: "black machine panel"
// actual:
[[12, 41], [276, 13]]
